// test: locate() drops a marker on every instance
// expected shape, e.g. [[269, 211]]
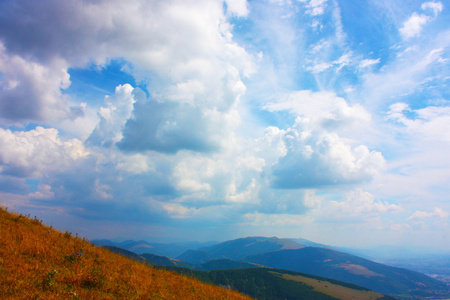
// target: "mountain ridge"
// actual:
[[289, 254]]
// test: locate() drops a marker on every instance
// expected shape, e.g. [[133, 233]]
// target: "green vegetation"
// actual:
[[397, 282], [264, 283]]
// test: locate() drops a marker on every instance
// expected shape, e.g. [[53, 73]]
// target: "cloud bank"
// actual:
[[197, 119]]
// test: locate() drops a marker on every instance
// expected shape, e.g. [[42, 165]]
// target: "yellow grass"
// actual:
[[334, 290], [37, 262]]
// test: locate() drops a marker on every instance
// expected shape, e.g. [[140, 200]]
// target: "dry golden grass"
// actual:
[[334, 290], [37, 262]]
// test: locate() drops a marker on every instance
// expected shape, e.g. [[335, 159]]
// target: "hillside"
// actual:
[[261, 282], [162, 261], [272, 284], [37, 262], [329, 263], [292, 255]]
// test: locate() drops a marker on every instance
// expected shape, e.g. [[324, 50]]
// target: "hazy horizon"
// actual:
[[205, 120]]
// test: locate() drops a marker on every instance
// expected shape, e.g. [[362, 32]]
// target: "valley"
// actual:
[[291, 256]]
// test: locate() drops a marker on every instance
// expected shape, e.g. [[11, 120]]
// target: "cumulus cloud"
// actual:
[[358, 203], [113, 116], [230, 177], [31, 90], [187, 50], [171, 127], [44, 192], [176, 153], [237, 7], [322, 109], [414, 25], [35, 152], [320, 159], [436, 213], [141, 144], [135, 164], [315, 154]]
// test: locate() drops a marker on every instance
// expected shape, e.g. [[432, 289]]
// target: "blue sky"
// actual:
[[212, 120]]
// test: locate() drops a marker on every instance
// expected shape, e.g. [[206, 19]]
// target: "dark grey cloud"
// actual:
[[294, 171], [10, 184], [41, 30], [95, 190]]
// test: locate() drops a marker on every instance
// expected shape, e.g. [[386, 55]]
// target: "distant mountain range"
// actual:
[[349, 268], [239, 249], [259, 282], [170, 250], [291, 255]]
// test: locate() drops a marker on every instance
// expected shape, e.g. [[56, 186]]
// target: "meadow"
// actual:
[[39, 262]]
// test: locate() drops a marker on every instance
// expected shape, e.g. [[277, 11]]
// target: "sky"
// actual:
[[209, 120]]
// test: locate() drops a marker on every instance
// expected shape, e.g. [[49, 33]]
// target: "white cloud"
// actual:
[[319, 159], [276, 220], [318, 68], [249, 195], [435, 7], [436, 213], [315, 153], [135, 164], [414, 25], [430, 123], [357, 203], [113, 116], [35, 152], [435, 55], [216, 213], [338, 64], [231, 176], [407, 75], [31, 90], [322, 109], [184, 47], [192, 175], [237, 7], [315, 7], [343, 61], [44, 192], [184, 154], [369, 63]]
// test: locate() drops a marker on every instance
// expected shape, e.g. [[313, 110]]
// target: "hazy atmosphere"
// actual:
[[209, 120]]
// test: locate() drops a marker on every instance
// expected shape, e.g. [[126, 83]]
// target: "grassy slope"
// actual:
[[37, 262], [272, 284], [400, 283], [332, 289]]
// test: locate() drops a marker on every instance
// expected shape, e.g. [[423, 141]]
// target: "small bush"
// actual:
[[48, 281]]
